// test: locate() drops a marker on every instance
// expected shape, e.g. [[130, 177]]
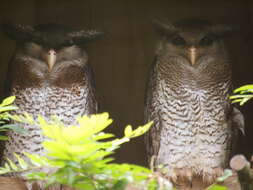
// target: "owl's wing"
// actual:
[[6, 93], [238, 120], [8, 79], [237, 125], [151, 113], [92, 100]]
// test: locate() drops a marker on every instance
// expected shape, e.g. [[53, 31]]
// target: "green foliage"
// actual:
[[227, 173], [243, 94], [217, 187], [81, 155], [5, 107]]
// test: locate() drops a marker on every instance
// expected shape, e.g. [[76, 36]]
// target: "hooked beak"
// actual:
[[50, 59], [192, 54]]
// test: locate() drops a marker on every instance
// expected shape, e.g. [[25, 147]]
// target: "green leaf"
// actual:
[[236, 101], [29, 118], [7, 101], [217, 187], [16, 128], [152, 185], [244, 100], [128, 131], [102, 135], [71, 177], [120, 184], [4, 170], [244, 88], [137, 132], [36, 175], [7, 108], [37, 160], [21, 162], [227, 173], [241, 96], [3, 138], [86, 185], [12, 165], [117, 142], [6, 166]]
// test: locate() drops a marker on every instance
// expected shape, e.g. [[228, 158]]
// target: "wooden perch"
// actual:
[[239, 164], [242, 179], [12, 183], [18, 184], [7, 183]]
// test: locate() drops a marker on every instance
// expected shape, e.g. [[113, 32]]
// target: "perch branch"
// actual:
[[240, 164]]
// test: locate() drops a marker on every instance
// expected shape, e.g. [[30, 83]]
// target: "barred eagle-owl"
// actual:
[[195, 125], [49, 74]]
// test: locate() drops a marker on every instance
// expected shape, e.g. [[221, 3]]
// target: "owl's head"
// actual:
[[50, 43], [192, 39]]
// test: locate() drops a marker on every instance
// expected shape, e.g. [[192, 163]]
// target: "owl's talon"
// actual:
[[41, 185], [175, 175], [187, 175], [172, 176], [210, 176]]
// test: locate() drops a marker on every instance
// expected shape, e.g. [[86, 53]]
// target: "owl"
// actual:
[[195, 125], [49, 74]]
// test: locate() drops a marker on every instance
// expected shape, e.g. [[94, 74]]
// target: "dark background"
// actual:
[[122, 58]]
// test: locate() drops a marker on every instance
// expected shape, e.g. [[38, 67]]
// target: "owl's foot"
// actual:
[[41, 185], [187, 175], [209, 176], [176, 175]]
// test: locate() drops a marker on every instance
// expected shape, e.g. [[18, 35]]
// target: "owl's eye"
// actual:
[[206, 41], [178, 41]]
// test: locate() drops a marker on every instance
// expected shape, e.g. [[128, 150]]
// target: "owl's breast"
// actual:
[[195, 106], [65, 76], [194, 126], [66, 103], [47, 101]]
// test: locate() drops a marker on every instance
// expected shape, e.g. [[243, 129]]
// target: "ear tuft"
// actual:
[[223, 30], [83, 36], [18, 32], [164, 28]]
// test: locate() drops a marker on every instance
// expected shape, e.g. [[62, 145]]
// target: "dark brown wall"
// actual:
[[121, 60]]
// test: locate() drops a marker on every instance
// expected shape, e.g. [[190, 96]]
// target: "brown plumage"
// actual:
[[188, 92], [49, 75]]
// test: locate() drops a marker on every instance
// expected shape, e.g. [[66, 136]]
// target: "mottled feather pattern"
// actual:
[[49, 74], [67, 104], [192, 128], [85, 33]]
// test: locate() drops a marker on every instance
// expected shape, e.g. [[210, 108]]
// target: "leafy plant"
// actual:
[[80, 155], [242, 94], [5, 107], [216, 186]]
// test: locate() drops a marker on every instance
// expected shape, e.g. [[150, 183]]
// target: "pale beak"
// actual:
[[193, 54], [51, 59]]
